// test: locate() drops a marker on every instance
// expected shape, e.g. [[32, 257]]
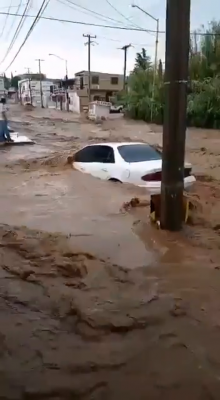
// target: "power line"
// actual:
[[87, 11], [119, 12], [120, 41], [126, 18], [83, 23], [18, 29], [124, 28], [6, 19], [23, 4], [17, 11], [38, 16]]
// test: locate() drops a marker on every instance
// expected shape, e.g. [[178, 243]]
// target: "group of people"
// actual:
[[4, 131]]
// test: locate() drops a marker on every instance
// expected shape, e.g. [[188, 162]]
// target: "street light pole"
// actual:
[[156, 52], [41, 89], [66, 68], [29, 84], [62, 59]]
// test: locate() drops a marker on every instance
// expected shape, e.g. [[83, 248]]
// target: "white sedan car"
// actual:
[[136, 163]]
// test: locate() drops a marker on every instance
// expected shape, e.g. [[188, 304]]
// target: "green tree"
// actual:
[[142, 61], [160, 70], [204, 61], [14, 81], [203, 106], [6, 82]]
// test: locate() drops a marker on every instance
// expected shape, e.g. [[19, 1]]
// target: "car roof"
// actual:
[[117, 144]]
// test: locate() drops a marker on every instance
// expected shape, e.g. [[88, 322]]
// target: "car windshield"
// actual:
[[138, 152]]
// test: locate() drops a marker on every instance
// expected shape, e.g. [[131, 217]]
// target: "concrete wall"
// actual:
[[99, 110], [74, 104]]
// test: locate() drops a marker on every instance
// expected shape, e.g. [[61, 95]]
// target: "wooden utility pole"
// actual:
[[41, 90], [125, 49], [89, 62], [174, 129], [29, 84]]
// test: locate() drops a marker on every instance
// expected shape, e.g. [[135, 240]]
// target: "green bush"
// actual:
[[144, 98]]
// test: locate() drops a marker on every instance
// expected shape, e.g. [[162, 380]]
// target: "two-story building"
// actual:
[[103, 86]]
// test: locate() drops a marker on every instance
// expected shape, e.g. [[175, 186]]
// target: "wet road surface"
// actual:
[[94, 302]]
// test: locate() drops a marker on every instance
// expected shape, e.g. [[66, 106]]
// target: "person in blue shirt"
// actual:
[[4, 132]]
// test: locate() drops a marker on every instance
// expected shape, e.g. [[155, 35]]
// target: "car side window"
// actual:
[[101, 154], [104, 154], [85, 155]]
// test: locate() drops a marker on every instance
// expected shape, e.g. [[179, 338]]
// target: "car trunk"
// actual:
[[152, 170]]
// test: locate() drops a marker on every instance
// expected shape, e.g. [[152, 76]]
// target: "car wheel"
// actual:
[[115, 180]]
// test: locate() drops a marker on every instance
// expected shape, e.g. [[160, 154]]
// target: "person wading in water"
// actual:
[[4, 132]]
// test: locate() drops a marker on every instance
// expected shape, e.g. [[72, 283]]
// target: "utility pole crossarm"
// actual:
[[91, 37]]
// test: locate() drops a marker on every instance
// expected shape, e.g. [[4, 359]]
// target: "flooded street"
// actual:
[[95, 303]]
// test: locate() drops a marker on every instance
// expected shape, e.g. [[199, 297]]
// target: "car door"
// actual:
[[83, 160], [106, 161], [96, 160]]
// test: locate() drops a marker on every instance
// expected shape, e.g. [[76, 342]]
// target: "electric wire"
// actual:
[[37, 18], [124, 28], [6, 19], [87, 11], [23, 4], [120, 41], [18, 29], [121, 14], [13, 21]]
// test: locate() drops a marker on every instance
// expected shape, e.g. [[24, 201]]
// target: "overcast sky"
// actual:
[[66, 40]]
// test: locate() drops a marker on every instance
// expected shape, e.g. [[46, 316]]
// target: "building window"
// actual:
[[95, 80], [114, 80]]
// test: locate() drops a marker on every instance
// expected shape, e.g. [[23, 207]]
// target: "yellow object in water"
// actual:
[[155, 205]]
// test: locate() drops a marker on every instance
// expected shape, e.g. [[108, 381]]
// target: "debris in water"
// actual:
[[133, 203]]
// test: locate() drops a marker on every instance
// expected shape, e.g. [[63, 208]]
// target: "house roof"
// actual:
[[97, 73]]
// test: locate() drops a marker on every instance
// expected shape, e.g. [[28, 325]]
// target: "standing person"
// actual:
[[4, 132]]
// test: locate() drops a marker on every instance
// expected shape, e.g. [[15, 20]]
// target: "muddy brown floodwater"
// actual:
[[95, 303]]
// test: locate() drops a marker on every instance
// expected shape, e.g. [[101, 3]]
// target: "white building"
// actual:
[[2, 85], [30, 88]]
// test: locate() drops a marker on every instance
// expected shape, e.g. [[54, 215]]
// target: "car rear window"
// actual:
[[138, 153]]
